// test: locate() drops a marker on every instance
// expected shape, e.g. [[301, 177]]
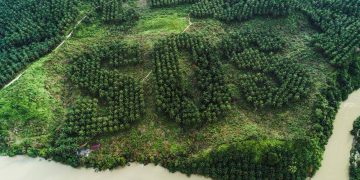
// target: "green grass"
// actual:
[[27, 106], [90, 30], [161, 24]]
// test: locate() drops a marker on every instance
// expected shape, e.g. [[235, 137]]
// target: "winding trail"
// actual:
[[144, 79], [70, 34], [335, 165], [190, 23], [187, 27], [16, 78], [57, 47]]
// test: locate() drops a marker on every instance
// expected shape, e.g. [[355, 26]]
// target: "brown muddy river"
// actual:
[[25, 168], [335, 165]]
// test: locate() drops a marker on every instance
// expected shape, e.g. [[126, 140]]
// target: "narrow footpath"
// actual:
[[57, 47]]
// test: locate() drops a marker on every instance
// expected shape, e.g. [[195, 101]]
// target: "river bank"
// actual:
[[22, 167], [335, 163]]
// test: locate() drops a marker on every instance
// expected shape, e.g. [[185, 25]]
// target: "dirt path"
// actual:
[[143, 2], [57, 47], [190, 23], [335, 165], [16, 78], [143, 80], [187, 27], [71, 32]]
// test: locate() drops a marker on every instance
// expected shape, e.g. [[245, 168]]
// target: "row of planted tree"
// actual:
[[97, 73], [115, 11], [338, 39], [30, 29], [337, 19], [252, 159], [113, 101], [172, 97], [269, 80]]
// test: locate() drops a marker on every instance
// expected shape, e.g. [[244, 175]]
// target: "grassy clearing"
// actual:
[[28, 108], [161, 24]]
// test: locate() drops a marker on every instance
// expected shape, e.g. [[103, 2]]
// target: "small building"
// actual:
[[84, 152]]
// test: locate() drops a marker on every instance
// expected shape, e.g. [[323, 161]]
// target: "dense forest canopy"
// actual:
[[244, 89]]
